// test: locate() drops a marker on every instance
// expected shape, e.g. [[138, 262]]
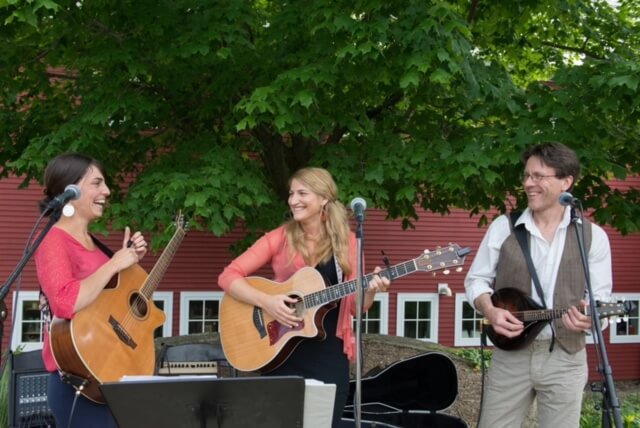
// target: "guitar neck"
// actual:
[[158, 271], [338, 291], [543, 314]]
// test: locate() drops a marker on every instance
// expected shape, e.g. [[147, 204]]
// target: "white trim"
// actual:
[[18, 301], [459, 340], [166, 297], [613, 336], [188, 296], [419, 297]]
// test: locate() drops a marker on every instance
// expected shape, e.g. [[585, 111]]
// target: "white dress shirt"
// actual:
[[546, 260]]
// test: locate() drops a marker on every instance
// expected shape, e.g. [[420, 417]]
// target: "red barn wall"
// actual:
[[201, 258]]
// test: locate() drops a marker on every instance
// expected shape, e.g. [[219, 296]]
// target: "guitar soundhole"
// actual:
[[138, 305]]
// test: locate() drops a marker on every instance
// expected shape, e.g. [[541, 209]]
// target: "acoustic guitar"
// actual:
[[113, 336], [535, 317], [252, 340]]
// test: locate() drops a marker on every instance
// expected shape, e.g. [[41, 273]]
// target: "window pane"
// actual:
[[410, 328], [467, 310], [211, 309], [425, 310], [374, 311], [195, 327], [411, 310], [373, 327], [196, 309], [424, 328]]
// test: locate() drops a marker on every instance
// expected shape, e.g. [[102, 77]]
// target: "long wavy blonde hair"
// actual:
[[334, 234]]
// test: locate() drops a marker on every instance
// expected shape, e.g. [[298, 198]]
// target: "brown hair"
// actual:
[[65, 169], [556, 155]]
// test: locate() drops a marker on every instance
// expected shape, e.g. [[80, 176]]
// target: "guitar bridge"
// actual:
[[122, 333]]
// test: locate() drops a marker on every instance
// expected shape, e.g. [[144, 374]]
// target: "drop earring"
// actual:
[[68, 210]]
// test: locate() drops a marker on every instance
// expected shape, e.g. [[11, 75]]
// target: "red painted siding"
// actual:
[[201, 258]]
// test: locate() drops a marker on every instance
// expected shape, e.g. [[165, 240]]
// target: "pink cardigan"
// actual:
[[273, 248]]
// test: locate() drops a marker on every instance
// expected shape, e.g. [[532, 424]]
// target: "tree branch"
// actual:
[[572, 49], [473, 10]]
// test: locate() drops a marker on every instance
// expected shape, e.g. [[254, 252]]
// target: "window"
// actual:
[[626, 329], [418, 316], [164, 302], [468, 323], [28, 321], [375, 320], [199, 312]]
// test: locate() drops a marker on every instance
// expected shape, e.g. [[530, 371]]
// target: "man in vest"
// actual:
[[553, 367]]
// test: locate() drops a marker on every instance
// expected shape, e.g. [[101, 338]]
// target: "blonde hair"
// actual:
[[334, 235]]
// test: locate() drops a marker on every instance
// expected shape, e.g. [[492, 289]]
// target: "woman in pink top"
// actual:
[[73, 270], [318, 235]]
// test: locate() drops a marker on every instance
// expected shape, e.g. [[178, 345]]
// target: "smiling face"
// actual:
[[542, 185], [306, 206], [94, 193]]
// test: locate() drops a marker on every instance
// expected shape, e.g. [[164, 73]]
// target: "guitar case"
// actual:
[[410, 393]]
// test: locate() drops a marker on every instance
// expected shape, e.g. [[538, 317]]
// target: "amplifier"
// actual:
[[28, 392], [169, 368], [193, 359]]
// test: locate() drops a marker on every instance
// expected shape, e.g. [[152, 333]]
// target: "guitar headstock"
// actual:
[[181, 221], [614, 309], [443, 258]]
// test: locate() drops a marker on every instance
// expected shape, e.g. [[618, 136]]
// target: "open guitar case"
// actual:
[[409, 393]]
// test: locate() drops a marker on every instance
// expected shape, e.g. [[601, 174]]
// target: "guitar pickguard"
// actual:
[[258, 322]]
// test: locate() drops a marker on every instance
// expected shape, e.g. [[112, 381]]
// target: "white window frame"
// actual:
[[18, 300], [188, 296], [613, 336], [166, 297], [459, 340], [383, 299], [419, 297]]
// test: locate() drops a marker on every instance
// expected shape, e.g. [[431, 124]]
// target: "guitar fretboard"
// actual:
[[543, 314], [162, 264], [338, 291]]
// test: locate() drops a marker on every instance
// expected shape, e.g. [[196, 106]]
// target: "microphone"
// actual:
[[71, 192], [567, 199], [358, 206]]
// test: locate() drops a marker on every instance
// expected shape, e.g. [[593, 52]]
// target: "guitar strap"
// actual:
[[521, 235]]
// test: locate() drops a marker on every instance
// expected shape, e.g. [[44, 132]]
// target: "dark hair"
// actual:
[[557, 156], [65, 169]]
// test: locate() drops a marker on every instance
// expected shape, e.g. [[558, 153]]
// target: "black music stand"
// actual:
[[198, 402]]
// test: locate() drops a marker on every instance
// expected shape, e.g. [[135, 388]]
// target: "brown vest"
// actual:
[[512, 271]]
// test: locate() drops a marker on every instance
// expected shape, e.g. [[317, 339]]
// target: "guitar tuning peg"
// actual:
[[427, 251], [433, 274], [446, 271], [459, 269]]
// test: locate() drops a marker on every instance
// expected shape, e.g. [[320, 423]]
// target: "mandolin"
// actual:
[[535, 317]]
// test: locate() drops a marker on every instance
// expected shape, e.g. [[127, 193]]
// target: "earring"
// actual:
[[68, 210]]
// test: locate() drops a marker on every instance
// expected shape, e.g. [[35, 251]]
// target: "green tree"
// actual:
[[209, 105]]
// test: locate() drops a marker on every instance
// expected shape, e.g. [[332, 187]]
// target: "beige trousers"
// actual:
[[556, 379]]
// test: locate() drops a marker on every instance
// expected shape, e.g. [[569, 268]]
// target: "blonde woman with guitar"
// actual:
[[315, 245]]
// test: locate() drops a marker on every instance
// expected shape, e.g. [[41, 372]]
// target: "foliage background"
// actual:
[[415, 105]]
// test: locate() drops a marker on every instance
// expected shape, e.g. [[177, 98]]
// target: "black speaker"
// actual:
[[28, 406]]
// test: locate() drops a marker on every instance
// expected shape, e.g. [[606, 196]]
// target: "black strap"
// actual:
[[521, 236], [103, 247]]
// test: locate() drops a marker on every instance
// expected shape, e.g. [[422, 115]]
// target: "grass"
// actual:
[[591, 416]]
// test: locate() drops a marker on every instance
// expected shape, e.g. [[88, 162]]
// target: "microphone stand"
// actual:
[[4, 290], [609, 398], [360, 306]]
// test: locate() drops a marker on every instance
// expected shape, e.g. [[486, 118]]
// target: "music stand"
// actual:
[[197, 402]]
